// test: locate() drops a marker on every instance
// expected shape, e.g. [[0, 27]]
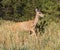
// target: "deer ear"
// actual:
[[36, 10]]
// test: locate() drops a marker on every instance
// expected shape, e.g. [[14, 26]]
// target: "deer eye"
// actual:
[[39, 13]]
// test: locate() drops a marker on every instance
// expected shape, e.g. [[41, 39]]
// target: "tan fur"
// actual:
[[23, 26], [27, 25]]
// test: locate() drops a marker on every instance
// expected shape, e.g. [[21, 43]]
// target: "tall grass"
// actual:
[[10, 40]]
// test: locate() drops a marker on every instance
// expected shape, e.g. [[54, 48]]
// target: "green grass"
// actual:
[[17, 40]]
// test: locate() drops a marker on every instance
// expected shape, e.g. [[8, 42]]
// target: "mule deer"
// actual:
[[28, 25]]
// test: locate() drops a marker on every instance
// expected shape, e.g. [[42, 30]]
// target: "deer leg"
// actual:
[[32, 32]]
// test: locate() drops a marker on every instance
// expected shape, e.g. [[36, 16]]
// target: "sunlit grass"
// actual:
[[10, 40]]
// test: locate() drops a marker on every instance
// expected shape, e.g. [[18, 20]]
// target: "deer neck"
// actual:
[[36, 20]]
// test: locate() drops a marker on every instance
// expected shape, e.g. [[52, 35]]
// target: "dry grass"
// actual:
[[10, 40]]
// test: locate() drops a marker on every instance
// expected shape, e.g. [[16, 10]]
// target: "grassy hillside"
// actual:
[[10, 40]]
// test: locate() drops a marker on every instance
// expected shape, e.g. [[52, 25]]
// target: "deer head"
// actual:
[[39, 13]]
